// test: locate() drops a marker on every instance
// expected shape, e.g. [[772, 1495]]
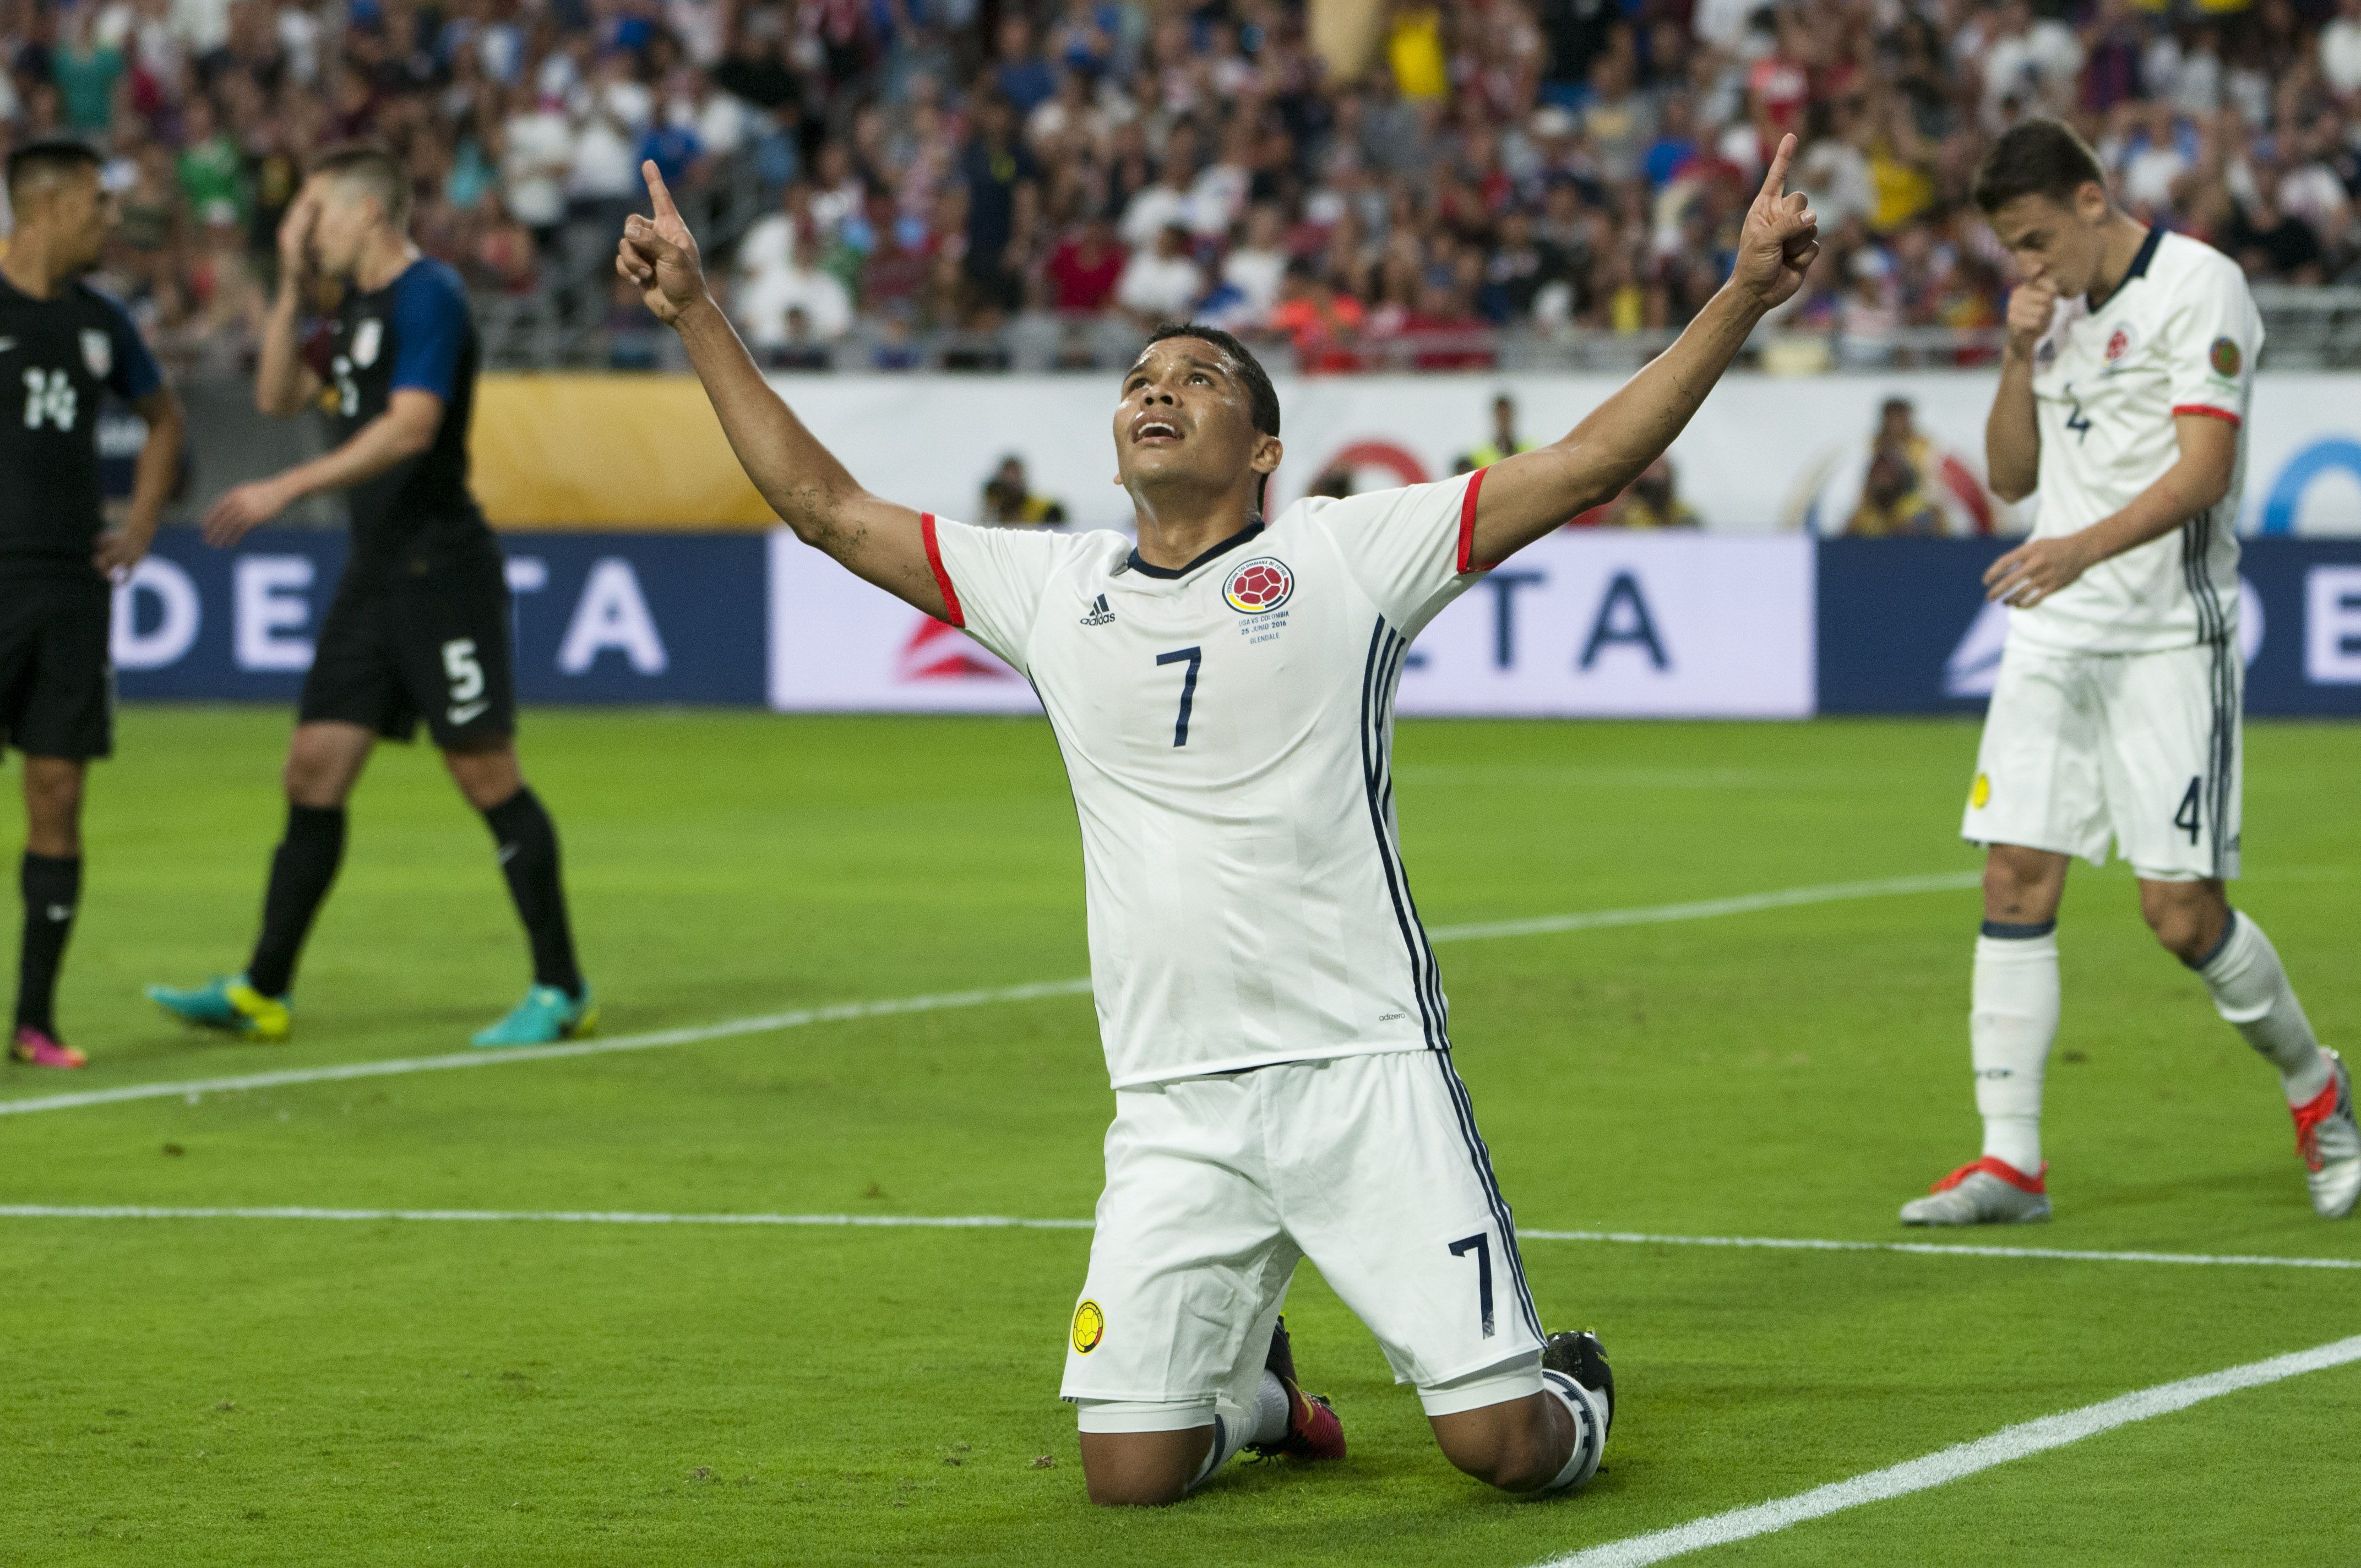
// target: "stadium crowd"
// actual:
[[1345, 177]]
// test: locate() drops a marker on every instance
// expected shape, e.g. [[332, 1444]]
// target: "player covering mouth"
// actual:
[[1275, 1026]]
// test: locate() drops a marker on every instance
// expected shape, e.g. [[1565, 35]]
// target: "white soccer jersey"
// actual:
[[1227, 730], [2180, 335]]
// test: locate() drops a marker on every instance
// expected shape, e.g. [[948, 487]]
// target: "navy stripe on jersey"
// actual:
[[1380, 678], [2213, 630]]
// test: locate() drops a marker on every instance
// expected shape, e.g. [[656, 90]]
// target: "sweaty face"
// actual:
[[2060, 241], [1186, 415], [78, 212]]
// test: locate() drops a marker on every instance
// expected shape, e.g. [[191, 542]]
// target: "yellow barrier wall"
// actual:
[[600, 451]]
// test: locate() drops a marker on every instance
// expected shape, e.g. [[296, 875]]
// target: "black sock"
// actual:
[[528, 845], [52, 886], [300, 872]]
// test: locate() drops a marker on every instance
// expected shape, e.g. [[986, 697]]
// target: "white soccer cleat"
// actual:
[[2330, 1142], [1982, 1192]]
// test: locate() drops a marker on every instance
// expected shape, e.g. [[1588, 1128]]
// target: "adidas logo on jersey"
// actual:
[[1099, 614]]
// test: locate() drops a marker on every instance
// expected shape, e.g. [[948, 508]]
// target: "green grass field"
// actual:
[[247, 1391]]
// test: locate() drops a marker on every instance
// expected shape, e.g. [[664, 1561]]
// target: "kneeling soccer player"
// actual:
[[419, 623], [1272, 1015], [2123, 399]]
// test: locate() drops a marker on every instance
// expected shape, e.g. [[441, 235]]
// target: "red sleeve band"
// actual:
[[942, 578], [2208, 410], [1468, 562]]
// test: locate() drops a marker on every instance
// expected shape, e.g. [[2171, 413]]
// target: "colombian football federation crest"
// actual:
[[1258, 586], [98, 352], [1090, 1327], [2120, 342], [1981, 796], [2225, 359]]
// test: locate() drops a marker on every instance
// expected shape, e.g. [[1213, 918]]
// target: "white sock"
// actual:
[[1589, 1413], [2012, 1018], [1266, 1424], [2250, 988]]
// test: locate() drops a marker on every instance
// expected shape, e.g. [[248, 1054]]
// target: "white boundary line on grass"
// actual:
[[1013, 1222], [1957, 1463], [191, 1089]]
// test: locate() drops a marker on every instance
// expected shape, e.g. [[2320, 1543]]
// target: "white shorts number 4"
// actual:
[[2142, 748]]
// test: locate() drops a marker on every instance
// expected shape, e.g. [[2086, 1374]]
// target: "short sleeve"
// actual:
[[430, 324], [992, 579], [1413, 550], [134, 373], [2210, 342]]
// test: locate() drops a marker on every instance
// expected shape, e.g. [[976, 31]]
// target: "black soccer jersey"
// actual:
[[414, 331], [56, 358]]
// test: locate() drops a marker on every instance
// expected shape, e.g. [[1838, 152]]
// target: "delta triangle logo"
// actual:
[[938, 651]]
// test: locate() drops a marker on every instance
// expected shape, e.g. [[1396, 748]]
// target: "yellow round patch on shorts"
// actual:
[[1090, 1327], [1980, 797]]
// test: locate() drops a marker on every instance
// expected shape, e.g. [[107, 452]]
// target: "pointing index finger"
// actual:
[[657, 190], [1775, 183]]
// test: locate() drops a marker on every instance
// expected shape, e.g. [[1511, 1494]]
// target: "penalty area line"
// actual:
[[1957, 1463], [803, 1017], [1015, 1222]]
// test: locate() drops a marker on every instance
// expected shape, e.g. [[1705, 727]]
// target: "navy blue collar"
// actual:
[[1232, 543], [2138, 268]]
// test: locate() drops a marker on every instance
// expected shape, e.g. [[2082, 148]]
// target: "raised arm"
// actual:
[[2012, 436], [811, 491], [1527, 496], [283, 385]]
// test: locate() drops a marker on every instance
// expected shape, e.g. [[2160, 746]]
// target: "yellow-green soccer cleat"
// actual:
[[545, 1017], [228, 1003]]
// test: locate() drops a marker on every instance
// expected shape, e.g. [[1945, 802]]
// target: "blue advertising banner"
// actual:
[[597, 617], [1904, 627]]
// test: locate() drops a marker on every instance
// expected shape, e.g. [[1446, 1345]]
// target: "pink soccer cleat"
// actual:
[[35, 1048], [1313, 1428]]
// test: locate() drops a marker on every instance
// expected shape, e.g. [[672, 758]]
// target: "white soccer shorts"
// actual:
[[1370, 1166], [2144, 748]]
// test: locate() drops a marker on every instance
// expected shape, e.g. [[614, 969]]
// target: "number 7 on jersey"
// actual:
[[1196, 658]]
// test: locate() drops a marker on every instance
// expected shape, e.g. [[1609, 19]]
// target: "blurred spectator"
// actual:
[[1570, 165], [798, 286], [1083, 270], [1161, 284], [1892, 502], [1009, 498], [1505, 441], [1652, 503]]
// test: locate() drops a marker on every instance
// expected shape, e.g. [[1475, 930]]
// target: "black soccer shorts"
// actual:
[[56, 680], [428, 639]]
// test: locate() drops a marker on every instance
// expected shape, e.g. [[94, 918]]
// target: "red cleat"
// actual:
[[35, 1048], [1315, 1430]]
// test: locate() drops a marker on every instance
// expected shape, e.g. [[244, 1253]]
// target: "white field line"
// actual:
[[1013, 1222], [1957, 1463], [1940, 1249], [190, 1088]]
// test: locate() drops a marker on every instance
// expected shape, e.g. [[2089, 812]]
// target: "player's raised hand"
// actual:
[[295, 236], [658, 255], [2030, 307], [1780, 238]]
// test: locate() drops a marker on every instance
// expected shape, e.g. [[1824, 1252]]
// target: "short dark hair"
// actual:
[[2037, 158], [372, 166], [1262, 398], [48, 159]]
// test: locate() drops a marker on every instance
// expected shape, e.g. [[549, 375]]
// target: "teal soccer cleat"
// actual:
[[228, 1003], [545, 1015]]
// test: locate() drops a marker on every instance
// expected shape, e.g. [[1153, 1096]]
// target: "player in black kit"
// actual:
[[418, 628], [63, 345]]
